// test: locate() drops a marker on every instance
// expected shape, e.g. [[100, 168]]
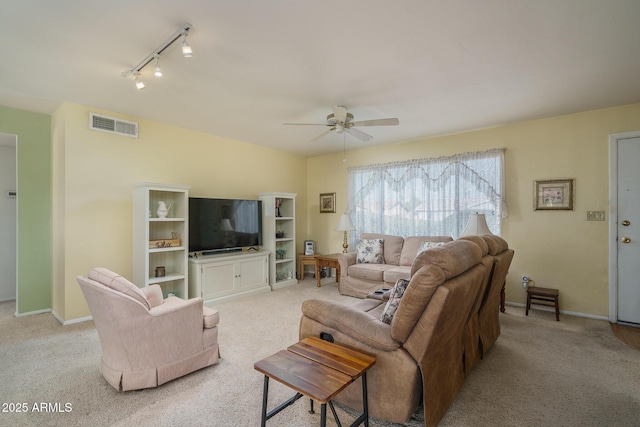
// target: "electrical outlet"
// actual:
[[595, 215]]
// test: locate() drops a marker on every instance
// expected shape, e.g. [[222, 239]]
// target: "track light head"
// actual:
[[157, 71], [186, 48], [140, 85]]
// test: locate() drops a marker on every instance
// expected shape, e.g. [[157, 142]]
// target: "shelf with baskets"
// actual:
[[160, 243], [279, 237]]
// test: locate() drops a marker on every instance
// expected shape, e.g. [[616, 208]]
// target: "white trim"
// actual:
[[551, 310], [613, 220], [58, 317], [31, 313], [78, 320], [72, 321]]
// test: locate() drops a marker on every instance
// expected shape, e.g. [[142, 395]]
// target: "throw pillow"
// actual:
[[369, 251], [428, 245], [394, 301]]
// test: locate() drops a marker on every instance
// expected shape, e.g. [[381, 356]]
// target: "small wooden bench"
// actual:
[[543, 296], [305, 260]]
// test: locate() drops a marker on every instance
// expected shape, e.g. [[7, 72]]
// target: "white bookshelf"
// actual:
[[282, 271], [147, 227]]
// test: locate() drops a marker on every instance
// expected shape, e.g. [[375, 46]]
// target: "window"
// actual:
[[428, 196]]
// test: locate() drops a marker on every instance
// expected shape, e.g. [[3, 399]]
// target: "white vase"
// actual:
[[163, 209]]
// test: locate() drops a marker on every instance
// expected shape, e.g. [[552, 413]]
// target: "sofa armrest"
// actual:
[[346, 260], [352, 322], [173, 304]]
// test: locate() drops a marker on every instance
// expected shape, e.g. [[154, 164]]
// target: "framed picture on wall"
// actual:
[[327, 202], [555, 194]]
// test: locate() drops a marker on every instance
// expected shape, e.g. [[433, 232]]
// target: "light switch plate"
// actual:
[[595, 215]]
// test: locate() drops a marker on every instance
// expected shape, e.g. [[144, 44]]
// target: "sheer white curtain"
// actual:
[[427, 196]]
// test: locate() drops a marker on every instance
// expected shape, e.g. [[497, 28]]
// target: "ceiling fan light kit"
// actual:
[[187, 52], [341, 121]]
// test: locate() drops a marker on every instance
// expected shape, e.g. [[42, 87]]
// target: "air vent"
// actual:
[[112, 125]]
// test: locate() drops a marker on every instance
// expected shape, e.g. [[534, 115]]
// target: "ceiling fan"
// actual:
[[342, 121]]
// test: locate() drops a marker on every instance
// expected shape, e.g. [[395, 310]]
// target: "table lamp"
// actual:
[[345, 225], [477, 226]]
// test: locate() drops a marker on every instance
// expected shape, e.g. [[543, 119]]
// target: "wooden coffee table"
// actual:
[[319, 370], [330, 261]]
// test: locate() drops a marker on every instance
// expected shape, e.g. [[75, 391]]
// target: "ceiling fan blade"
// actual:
[[321, 135], [306, 124], [358, 134], [377, 122], [340, 113]]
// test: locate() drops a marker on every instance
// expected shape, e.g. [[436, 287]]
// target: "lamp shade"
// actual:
[[477, 226], [345, 223]]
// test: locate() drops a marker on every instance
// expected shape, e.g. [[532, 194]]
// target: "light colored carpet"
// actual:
[[539, 373]]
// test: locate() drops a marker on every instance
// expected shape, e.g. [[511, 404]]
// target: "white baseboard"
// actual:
[[78, 320], [31, 313], [549, 309], [72, 321]]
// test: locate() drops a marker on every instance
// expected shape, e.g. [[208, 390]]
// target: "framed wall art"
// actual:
[[327, 202], [553, 195]]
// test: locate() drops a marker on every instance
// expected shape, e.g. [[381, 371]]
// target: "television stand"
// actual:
[[224, 276]]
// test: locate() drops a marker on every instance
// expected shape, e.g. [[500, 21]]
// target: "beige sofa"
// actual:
[[420, 354], [147, 341], [359, 280], [488, 313]]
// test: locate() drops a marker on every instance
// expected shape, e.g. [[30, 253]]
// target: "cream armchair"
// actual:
[[147, 341]]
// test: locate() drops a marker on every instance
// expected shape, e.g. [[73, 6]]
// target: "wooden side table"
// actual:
[[543, 296], [305, 260], [330, 261], [319, 370]]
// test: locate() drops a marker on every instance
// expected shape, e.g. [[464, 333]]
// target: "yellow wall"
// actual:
[[94, 172], [557, 249]]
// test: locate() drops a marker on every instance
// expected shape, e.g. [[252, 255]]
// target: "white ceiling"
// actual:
[[439, 66]]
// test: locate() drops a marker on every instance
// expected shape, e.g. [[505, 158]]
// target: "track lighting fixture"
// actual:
[[155, 56], [186, 48], [157, 71], [140, 85]]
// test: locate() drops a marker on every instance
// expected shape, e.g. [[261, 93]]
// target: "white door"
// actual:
[[628, 230]]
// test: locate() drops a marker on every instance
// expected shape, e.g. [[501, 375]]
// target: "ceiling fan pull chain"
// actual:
[[344, 147]]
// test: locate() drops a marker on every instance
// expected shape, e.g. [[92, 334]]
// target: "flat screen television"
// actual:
[[224, 224]]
